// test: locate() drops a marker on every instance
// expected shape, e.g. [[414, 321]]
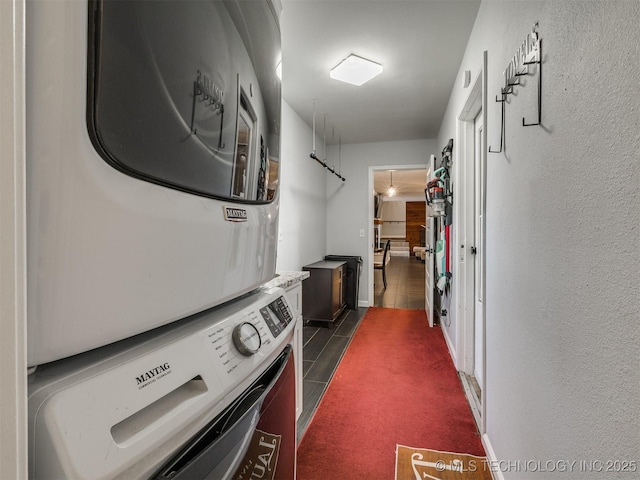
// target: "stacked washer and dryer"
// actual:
[[153, 144]]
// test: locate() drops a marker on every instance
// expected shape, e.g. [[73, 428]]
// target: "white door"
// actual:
[[479, 353], [429, 235]]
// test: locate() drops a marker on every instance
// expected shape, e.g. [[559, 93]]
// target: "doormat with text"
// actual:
[[421, 463]]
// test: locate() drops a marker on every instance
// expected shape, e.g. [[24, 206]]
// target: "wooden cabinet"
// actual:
[[324, 291]]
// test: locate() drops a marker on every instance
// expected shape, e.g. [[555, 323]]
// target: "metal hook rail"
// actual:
[[513, 81], [539, 62], [324, 164], [503, 93], [503, 101], [313, 152]]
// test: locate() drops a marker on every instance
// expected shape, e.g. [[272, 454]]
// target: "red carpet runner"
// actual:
[[396, 384]]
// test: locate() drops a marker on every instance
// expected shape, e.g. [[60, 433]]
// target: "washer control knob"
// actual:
[[246, 338]]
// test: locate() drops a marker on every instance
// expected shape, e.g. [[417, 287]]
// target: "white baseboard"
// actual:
[[452, 350], [491, 457], [363, 303]]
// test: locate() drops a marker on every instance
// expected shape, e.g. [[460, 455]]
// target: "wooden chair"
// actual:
[[382, 265]]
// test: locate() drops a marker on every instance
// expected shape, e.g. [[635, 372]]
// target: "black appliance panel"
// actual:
[[277, 316]]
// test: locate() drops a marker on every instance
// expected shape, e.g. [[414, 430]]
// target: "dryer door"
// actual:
[[256, 432]]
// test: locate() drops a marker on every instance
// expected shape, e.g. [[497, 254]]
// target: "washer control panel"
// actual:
[[231, 342], [277, 315], [246, 338], [239, 342]]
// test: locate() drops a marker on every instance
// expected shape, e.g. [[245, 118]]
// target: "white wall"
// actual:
[[303, 210], [563, 235], [348, 202], [394, 215]]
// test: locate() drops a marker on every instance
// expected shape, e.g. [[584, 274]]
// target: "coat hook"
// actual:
[[502, 101], [539, 62]]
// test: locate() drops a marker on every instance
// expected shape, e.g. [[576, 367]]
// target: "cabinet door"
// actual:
[[336, 289]]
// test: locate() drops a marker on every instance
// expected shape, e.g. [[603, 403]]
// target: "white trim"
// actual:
[[449, 343], [13, 291], [491, 457], [464, 219], [483, 429]]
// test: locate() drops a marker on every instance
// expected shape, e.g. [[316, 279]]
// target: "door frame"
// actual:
[[13, 269], [464, 222], [371, 234]]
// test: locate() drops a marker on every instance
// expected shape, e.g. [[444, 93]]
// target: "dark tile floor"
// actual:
[[324, 347], [405, 284]]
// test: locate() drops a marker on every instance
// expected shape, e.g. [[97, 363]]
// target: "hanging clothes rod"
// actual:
[[324, 164], [313, 152]]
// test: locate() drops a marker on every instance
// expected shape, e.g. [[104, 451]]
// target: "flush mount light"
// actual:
[[355, 70]]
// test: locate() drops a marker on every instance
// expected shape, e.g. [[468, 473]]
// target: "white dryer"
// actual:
[[213, 397], [153, 145]]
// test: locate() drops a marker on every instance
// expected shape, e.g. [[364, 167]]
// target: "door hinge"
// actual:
[[474, 250]]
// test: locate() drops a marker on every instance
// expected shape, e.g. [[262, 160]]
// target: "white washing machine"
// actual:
[[212, 397]]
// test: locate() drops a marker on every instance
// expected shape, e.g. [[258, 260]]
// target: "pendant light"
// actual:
[[391, 191]]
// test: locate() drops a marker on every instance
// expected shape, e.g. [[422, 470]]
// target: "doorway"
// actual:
[[471, 175], [391, 219]]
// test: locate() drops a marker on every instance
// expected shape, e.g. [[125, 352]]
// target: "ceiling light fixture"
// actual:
[[355, 70], [391, 191]]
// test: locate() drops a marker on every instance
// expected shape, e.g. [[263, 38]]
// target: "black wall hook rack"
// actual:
[[324, 164], [504, 92], [529, 53], [539, 63], [503, 100]]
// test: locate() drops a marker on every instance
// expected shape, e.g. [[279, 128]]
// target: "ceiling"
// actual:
[[409, 184], [420, 44]]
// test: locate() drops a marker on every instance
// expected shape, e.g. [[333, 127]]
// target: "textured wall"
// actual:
[[563, 236]]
